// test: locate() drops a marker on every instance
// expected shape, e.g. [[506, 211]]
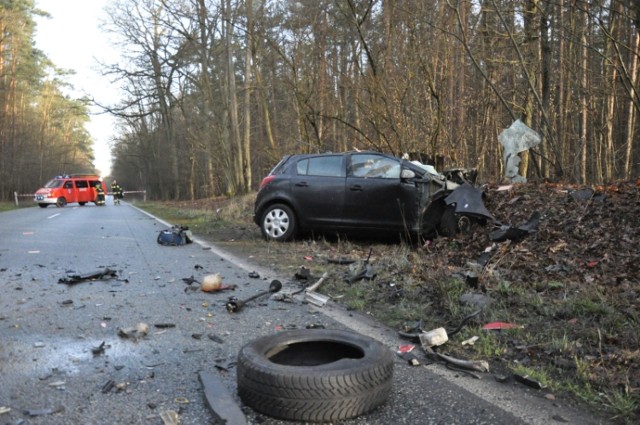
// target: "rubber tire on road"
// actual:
[[314, 375], [61, 202], [285, 227]]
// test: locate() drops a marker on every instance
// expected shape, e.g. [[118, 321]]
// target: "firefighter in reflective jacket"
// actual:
[[99, 194], [116, 190]]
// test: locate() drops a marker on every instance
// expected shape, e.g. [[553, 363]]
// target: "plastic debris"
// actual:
[[500, 326], [135, 333], [170, 417], [470, 341], [73, 278], [433, 338]]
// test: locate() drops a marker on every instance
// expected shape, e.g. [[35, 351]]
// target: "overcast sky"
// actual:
[[71, 38]]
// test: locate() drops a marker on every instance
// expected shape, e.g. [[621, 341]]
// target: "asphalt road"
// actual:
[[49, 374]]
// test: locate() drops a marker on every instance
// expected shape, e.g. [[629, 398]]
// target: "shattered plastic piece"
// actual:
[[303, 273], [468, 200], [433, 338], [170, 417], [315, 298], [516, 234], [108, 386], [99, 274], [501, 325], [254, 275], [135, 333], [406, 348], [470, 341], [98, 350]]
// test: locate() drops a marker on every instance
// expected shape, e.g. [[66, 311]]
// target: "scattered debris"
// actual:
[[220, 401], [96, 351], [470, 341], [526, 380], [96, 275], [43, 412], [175, 236], [135, 333], [433, 338], [361, 271], [234, 305], [170, 417], [4, 409], [213, 283], [516, 234], [254, 275], [303, 273], [215, 338], [164, 325], [310, 294], [108, 386], [189, 280], [501, 326]]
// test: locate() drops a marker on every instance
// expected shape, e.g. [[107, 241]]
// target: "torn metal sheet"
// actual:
[[224, 408]]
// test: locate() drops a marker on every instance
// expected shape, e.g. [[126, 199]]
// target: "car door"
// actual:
[[317, 187], [375, 196]]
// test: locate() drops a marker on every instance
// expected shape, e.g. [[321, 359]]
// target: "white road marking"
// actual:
[[52, 216]]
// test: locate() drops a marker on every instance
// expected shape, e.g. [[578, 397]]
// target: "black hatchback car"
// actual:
[[363, 191]]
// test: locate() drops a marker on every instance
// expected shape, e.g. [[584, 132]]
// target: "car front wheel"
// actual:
[[278, 223]]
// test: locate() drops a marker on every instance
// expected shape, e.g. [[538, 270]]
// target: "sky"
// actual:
[[72, 39]]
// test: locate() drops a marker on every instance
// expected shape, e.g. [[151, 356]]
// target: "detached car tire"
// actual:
[[278, 223], [314, 375]]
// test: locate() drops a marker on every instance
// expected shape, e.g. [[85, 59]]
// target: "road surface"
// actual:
[[49, 373]]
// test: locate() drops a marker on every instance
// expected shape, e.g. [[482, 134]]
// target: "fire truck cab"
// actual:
[[69, 188]]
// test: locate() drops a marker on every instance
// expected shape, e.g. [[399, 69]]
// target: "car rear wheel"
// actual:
[[278, 223], [61, 202]]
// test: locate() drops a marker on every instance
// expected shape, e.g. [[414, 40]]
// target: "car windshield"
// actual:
[[52, 184]]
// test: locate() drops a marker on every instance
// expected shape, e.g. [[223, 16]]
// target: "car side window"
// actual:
[[81, 184], [326, 166], [374, 166], [68, 185]]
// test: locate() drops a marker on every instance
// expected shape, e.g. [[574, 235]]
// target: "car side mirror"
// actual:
[[407, 174]]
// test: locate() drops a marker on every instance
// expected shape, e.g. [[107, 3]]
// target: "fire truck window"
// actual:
[[81, 184], [68, 185]]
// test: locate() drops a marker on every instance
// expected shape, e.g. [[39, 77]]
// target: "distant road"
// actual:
[[48, 330]]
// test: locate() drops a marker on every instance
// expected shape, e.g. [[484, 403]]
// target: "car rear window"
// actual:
[[328, 166]]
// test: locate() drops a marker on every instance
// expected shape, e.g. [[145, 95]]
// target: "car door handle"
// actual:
[[302, 184], [356, 188]]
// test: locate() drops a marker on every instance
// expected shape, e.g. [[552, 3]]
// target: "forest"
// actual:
[[215, 92]]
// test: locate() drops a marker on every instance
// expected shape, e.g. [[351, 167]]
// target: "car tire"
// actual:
[[61, 202], [278, 223], [82, 204], [314, 375]]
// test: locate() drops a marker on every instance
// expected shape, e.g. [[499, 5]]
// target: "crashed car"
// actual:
[[365, 191]]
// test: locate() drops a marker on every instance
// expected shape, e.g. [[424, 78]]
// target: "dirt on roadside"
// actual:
[[572, 286]]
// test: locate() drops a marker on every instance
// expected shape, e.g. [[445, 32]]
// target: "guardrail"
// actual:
[[17, 195]]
